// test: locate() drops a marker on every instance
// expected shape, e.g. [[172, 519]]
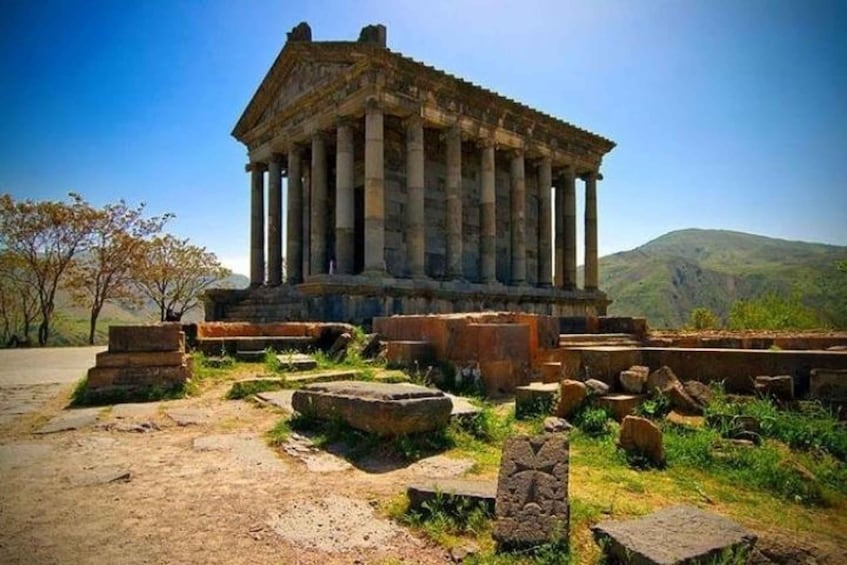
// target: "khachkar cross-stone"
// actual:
[[532, 491]]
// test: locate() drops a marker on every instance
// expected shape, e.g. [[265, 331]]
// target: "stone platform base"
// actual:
[[358, 299]]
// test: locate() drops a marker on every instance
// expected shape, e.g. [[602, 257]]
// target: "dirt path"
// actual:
[[137, 487]]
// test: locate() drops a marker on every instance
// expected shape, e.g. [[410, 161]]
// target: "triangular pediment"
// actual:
[[299, 70]]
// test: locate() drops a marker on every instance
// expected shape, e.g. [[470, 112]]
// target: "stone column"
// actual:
[[591, 231], [518, 223], [453, 212], [545, 182], [559, 243], [294, 245], [344, 205], [275, 220], [257, 223], [569, 178], [319, 207], [374, 190], [307, 217], [488, 216], [415, 233]]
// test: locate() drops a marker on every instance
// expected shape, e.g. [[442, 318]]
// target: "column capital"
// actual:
[[413, 120], [277, 158], [449, 132], [567, 171], [486, 142], [345, 121], [517, 152], [374, 103], [257, 166], [543, 162], [591, 175]]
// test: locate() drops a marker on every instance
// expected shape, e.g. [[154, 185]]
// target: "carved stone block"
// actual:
[[532, 491]]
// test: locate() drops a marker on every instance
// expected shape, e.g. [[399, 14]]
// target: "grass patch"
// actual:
[[809, 428], [247, 388], [83, 396]]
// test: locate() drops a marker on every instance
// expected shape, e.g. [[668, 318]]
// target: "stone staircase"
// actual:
[[581, 341]]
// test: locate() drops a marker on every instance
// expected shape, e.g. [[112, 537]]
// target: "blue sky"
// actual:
[[727, 114]]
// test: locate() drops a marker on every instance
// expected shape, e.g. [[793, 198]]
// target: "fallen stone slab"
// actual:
[[325, 376], [674, 535], [532, 491], [71, 420], [188, 416], [279, 398], [296, 362], [381, 408], [462, 408], [463, 493], [250, 356], [135, 410], [102, 476]]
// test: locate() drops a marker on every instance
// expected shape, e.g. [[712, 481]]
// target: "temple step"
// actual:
[[577, 341]]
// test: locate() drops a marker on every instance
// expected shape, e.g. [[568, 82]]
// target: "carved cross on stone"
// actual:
[[532, 491]]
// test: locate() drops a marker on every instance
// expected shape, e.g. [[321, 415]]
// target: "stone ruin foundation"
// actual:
[[140, 358]]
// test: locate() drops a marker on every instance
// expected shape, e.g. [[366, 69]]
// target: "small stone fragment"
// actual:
[[640, 435], [555, 425], [780, 387], [634, 379], [596, 387], [571, 396]]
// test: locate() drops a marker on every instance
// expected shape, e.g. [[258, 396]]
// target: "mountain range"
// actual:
[[669, 276]]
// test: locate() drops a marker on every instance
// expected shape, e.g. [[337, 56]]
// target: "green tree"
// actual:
[[174, 273], [45, 236], [772, 312], [702, 318], [18, 298], [104, 272]]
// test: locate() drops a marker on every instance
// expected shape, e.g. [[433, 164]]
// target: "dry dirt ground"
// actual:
[[186, 481]]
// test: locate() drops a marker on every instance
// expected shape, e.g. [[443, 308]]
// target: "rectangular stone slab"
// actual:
[[482, 493], [141, 359], [532, 491], [677, 534], [127, 339], [381, 408]]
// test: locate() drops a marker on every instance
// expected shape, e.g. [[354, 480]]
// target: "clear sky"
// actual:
[[727, 114]]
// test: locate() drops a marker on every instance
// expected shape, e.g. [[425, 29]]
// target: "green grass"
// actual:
[[82, 396], [248, 388]]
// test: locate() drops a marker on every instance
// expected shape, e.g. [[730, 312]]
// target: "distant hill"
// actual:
[[70, 324], [666, 278]]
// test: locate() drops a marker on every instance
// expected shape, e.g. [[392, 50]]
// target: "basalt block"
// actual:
[[128, 339], [381, 408], [674, 535], [532, 491]]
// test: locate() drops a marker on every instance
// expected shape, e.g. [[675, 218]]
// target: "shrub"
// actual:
[[703, 319], [772, 312], [593, 421]]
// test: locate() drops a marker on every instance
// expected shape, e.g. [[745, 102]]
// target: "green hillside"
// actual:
[[666, 278]]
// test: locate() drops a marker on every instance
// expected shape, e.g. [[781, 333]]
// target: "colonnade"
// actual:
[[557, 263]]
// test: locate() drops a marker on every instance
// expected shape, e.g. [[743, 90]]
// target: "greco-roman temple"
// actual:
[[401, 189]]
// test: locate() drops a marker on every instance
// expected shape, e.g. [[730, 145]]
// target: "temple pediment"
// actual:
[[299, 70]]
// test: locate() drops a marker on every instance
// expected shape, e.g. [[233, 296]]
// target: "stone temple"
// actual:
[[402, 189]]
